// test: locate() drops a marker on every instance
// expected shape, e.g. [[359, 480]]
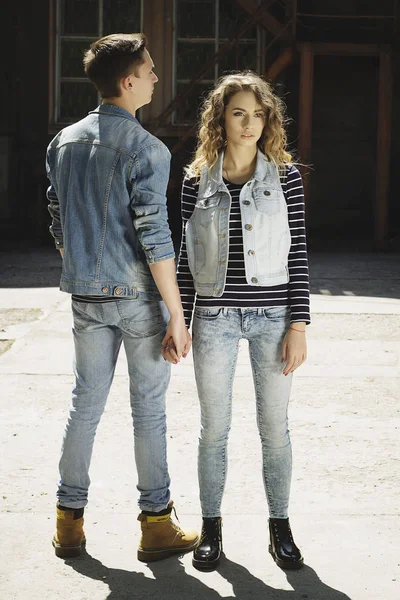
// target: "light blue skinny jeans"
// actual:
[[99, 330], [216, 335]]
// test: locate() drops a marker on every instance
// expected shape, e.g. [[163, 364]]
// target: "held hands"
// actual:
[[294, 348], [177, 341]]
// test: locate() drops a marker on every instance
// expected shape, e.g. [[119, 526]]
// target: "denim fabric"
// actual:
[[265, 225], [216, 335], [99, 330], [107, 200]]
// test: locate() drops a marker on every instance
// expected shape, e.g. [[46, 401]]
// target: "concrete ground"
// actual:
[[344, 416]]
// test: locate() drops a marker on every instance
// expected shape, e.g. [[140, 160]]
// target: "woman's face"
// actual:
[[244, 119]]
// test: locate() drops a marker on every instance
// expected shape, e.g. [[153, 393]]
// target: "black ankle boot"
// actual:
[[282, 547], [207, 554]]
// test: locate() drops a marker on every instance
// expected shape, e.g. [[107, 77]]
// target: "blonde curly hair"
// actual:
[[212, 137]]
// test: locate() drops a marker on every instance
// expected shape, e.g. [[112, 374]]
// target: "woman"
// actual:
[[243, 266]]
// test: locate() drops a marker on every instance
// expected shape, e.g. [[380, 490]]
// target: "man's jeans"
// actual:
[[98, 332], [216, 335]]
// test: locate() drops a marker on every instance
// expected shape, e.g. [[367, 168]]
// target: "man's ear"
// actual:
[[127, 83]]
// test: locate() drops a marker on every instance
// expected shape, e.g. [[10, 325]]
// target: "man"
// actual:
[[107, 200]]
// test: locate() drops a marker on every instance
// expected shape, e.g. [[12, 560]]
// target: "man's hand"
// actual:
[[177, 341], [294, 349]]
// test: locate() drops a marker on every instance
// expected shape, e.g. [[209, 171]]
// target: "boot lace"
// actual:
[[284, 530], [211, 531], [174, 525]]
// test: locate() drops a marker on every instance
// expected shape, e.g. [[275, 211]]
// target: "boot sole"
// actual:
[[153, 554], [68, 551], [286, 565], [206, 566]]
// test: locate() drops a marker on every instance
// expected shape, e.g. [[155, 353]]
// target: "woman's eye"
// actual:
[[237, 114], [260, 115]]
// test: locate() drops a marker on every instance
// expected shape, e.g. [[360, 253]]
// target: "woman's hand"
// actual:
[[294, 348], [170, 342]]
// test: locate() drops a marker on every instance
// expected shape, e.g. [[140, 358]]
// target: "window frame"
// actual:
[[55, 100], [259, 49]]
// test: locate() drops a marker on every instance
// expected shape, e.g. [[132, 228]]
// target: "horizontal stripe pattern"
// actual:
[[238, 293]]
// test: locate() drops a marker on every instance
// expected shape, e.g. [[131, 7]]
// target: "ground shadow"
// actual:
[[335, 274], [30, 267], [168, 579], [355, 274]]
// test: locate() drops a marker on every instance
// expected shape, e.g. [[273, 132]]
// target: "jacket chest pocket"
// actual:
[[268, 200], [205, 210]]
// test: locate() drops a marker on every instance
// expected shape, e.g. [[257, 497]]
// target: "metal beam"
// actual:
[[383, 149], [281, 63], [268, 21], [305, 112], [345, 49]]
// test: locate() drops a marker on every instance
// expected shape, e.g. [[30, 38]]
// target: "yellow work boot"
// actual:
[[69, 539], [161, 537]]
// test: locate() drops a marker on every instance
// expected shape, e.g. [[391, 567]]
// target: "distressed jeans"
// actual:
[[216, 335], [99, 330]]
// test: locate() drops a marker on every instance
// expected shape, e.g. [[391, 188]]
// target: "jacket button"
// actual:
[[246, 202], [104, 290], [248, 227], [118, 291], [254, 280], [267, 193], [251, 253]]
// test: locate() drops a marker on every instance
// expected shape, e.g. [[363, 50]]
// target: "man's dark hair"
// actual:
[[111, 58]]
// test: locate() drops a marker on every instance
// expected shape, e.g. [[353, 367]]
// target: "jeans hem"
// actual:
[[153, 507], [71, 505]]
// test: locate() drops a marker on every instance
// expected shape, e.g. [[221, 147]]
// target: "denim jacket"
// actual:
[[107, 200], [266, 234]]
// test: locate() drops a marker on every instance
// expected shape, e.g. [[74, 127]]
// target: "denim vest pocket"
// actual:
[[267, 200], [195, 250], [205, 209]]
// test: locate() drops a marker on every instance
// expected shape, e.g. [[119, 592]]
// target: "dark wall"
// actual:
[[24, 118], [394, 204], [340, 209], [344, 148]]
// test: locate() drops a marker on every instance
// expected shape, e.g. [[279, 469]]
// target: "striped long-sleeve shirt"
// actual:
[[238, 293]]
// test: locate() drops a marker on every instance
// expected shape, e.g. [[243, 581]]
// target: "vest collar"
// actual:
[[211, 180]]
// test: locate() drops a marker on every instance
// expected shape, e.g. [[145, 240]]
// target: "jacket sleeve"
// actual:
[[299, 288], [184, 276], [54, 207], [150, 177]]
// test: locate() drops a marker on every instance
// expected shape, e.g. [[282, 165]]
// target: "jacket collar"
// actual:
[[113, 110], [211, 180]]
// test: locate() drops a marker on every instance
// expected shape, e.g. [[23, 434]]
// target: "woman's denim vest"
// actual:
[[266, 234]]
